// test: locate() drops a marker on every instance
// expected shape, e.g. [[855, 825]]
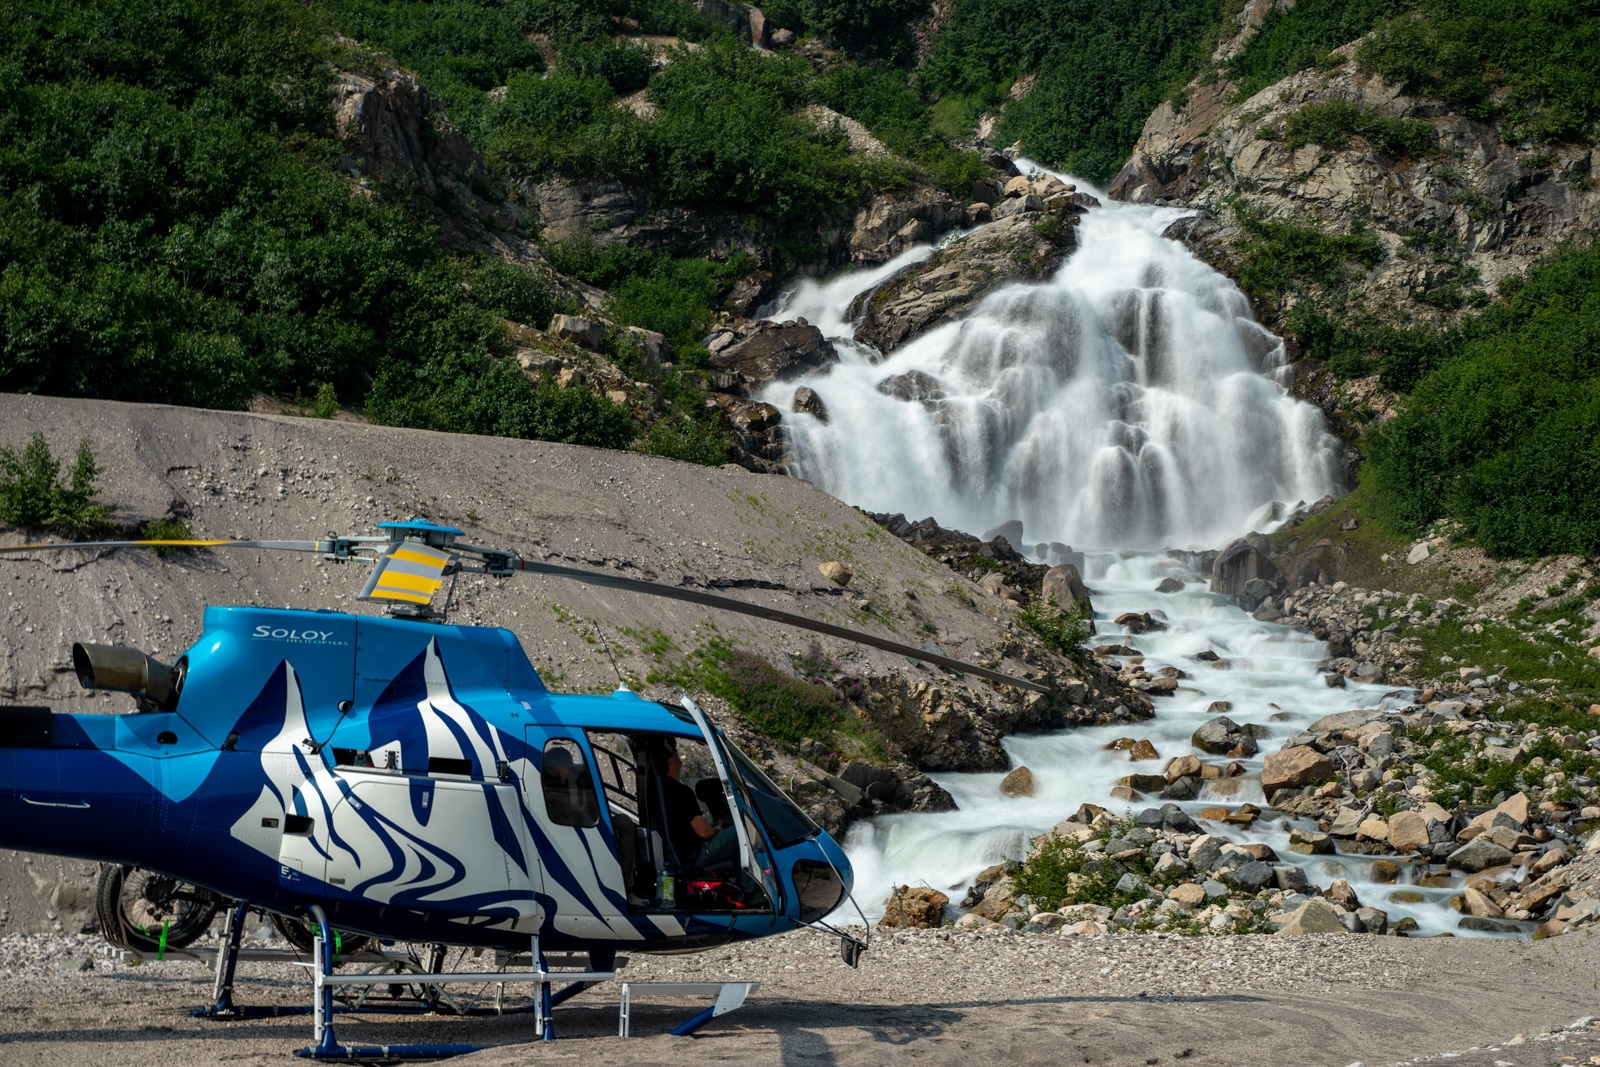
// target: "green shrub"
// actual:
[[1062, 632], [784, 706], [1505, 436], [882, 100], [1332, 123], [1102, 67], [682, 437], [1047, 878], [167, 528], [1298, 37], [871, 27], [32, 493], [512, 292], [1535, 65], [1281, 257]]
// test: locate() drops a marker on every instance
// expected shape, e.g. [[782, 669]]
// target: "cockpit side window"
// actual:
[[618, 771], [569, 796]]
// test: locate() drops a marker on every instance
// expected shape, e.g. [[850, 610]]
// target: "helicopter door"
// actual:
[[754, 857], [585, 879], [438, 843]]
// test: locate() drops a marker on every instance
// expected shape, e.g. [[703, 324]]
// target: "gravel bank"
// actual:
[[932, 996]]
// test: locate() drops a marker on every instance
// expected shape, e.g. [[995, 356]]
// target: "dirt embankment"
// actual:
[[755, 537]]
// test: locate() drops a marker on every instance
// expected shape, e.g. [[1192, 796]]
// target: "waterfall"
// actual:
[[1131, 401]]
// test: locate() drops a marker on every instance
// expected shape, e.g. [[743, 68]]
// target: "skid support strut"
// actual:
[[326, 1047]]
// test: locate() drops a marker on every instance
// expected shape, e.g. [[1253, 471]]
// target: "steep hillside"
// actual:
[[1414, 209]]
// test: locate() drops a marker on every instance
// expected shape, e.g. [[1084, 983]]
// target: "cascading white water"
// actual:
[[1129, 402]]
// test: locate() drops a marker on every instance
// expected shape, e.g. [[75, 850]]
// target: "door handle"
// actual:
[[81, 805]]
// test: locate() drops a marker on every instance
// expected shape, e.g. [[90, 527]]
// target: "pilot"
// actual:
[[568, 795], [696, 842]]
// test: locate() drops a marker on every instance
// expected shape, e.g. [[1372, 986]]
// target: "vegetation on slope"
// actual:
[[173, 228], [1101, 66]]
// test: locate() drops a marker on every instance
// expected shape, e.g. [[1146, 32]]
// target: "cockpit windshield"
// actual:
[[784, 822]]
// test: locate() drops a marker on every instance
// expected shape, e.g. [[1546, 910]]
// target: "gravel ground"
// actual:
[[931, 996]]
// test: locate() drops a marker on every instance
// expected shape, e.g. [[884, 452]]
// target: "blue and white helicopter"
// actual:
[[409, 780]]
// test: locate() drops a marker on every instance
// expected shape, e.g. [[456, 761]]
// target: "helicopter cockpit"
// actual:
[[678, 844]]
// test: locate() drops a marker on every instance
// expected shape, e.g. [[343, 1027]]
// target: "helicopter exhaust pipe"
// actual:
[[127, 670]]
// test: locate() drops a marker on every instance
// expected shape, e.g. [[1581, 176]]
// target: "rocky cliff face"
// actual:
[[1452, 219]]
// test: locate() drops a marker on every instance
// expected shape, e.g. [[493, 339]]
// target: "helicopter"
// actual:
[[413, 780]]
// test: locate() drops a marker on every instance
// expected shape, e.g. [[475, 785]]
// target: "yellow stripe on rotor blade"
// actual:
[[392, 594], [393, 579], [426, 559]]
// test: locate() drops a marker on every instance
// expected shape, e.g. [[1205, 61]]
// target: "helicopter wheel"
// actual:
[[302, 935], [146, 912]]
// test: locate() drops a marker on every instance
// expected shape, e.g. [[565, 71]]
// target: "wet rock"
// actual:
[[998, 901], [1019, 783], [1291, 879], [1219, 707], [1292, 768], [914, 907], [915, 387], [891, 224], [1170, 585], [1310, 843], [945, 285], [1223, 737], [1139, 622], [1238, 565], [1373, 920], [1254, 876], [1182, 767], [1408, 832], [807, 402], [1486, 926], [1385, 872], [1479, 854], [1342, 894], [1182, 789], [774, 351], [1064, 587], [1144, 783]]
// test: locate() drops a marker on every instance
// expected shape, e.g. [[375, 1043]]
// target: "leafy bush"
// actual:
[[1280, 257], [683, 437], [872, 27], [784, 706], [510, 291], [1536, 65], [1298, 37], [1063, 632], [32, 493], [1102, 66], [1505, 436], [1059, 869], [1332, 123], [882, 100]]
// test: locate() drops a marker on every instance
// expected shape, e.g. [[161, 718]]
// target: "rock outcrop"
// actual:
[[1026, 243], [1451, 221], [892, 224]]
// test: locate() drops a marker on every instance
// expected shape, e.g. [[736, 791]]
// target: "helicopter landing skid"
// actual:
[[326, 1047]]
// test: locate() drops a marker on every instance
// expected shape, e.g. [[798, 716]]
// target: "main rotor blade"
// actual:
[[712, 600], [277, 546]]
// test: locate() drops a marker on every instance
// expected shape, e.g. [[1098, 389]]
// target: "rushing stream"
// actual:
[[1127, 405]]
